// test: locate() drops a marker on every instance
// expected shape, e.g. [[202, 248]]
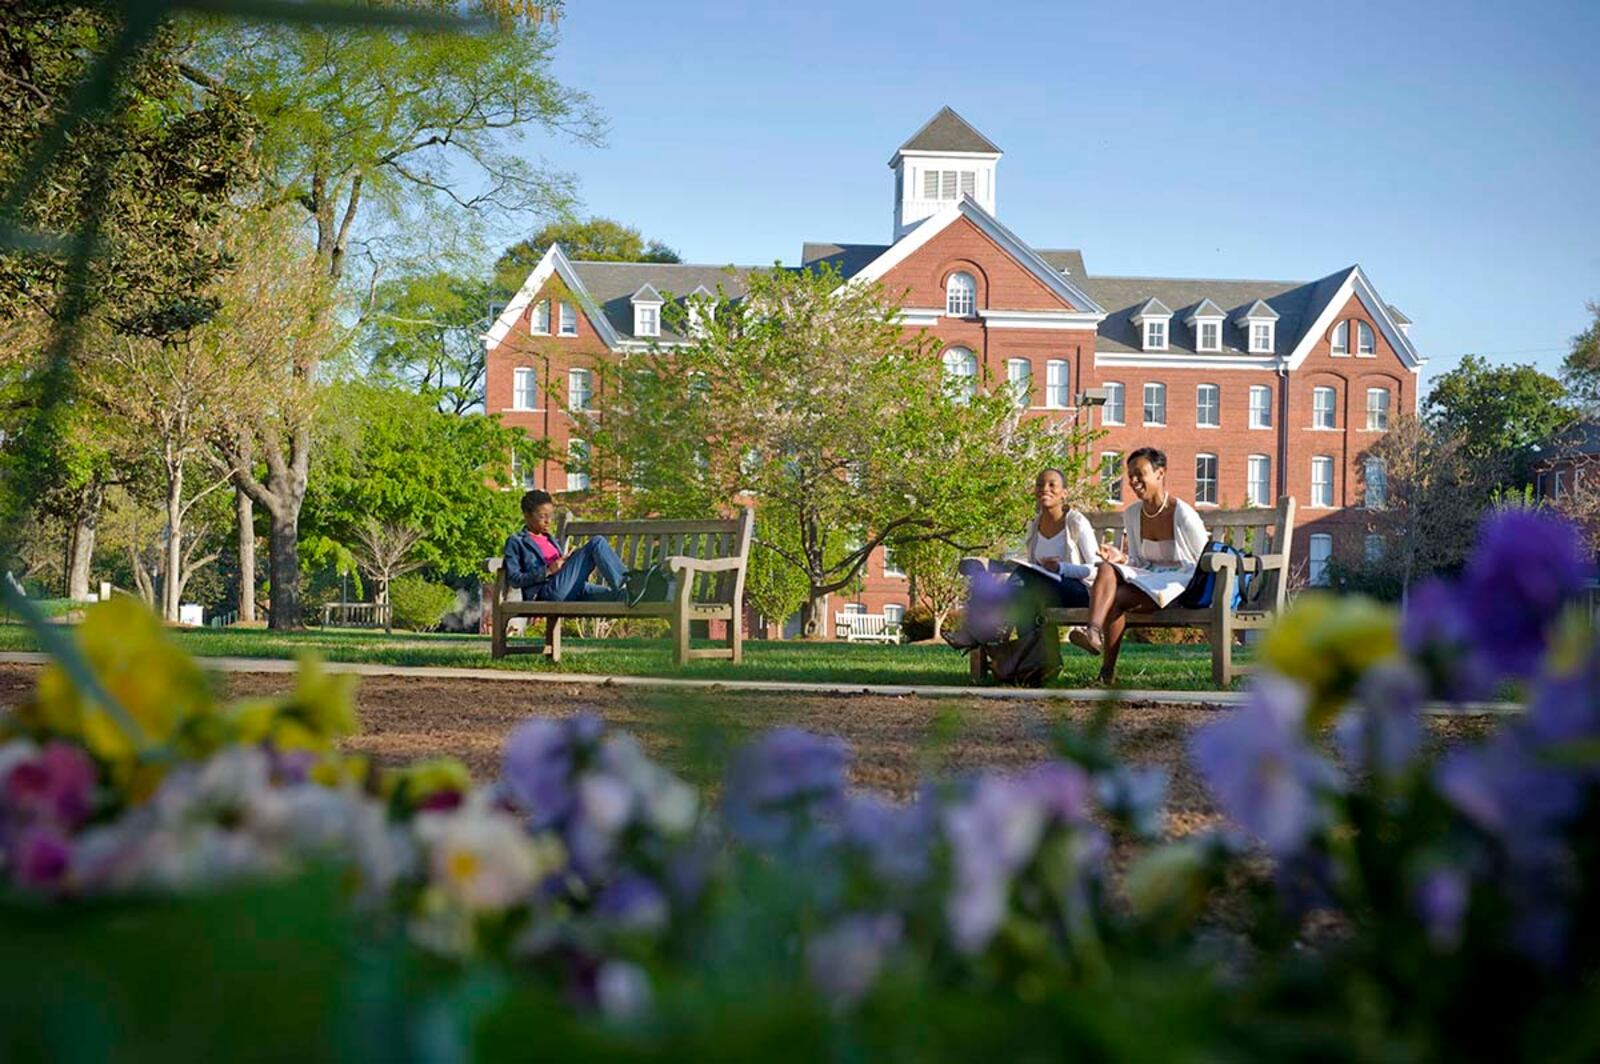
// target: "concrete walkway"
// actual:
[[1217, 699]]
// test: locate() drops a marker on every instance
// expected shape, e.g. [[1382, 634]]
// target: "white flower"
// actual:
[[479, 857], [605, 801], [622, 989]]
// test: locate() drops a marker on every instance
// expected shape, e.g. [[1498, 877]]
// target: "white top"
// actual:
[[1074, 545], [1162, 568]]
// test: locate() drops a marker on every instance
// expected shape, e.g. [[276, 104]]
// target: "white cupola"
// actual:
[[943, 161]]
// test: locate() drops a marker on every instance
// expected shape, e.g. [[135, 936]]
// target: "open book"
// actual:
[[1068, 569]]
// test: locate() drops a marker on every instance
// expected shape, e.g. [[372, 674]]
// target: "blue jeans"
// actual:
[[571, 583]]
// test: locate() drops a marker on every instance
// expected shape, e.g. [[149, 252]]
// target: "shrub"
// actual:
[[418, 604]]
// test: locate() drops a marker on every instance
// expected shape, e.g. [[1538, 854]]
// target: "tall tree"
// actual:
[[1498, 411], [1581, 368], [587, 240], [811, 399], [362, 127], [426, 329]]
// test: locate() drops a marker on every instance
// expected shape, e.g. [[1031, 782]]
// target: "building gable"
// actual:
[[1355, 290], [554, 264]]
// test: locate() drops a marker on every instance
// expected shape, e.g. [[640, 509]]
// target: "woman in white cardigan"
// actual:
[[1163, 539], [1058, 540]]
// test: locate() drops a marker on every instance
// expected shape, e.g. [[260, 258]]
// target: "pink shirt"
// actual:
[[546, 546]]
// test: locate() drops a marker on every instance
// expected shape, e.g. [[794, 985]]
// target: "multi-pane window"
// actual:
[[1205, 478], [854, 609], [1341, 339], [1374, 547], [946, 184], [1155, 336], [1115, 411], [891, 566], [1378, 409], [1376, 476], [1321, 555], [1207, 404], [522, 472], [1365, 344], [1111, 474], [577, 465], [1321, 481], [524, 389], [1260, 406], [1322, 408], [647, 320], [569, 320], [580, 389], [1210, 336], [960, 372], [1155, 404], [894, 612], [540, 317], [1258, 480], [1057, 384], [1261, 338], [960, 295], [1019, 378]]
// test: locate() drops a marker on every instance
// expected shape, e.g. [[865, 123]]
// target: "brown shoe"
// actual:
[[1086, 639]]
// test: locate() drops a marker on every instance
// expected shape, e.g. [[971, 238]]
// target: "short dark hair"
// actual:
[[532, 500], [1154, 455], [1051, 469]]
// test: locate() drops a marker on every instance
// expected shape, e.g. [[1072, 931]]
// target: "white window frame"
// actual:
[[647, 319], [1339, 343], [1115, 410], [1263, 337], [524, 384], [1208, 335], [1378, 413], [1375, 489], [1260, 413], [1317, 411], [1058, 384], [962, 378], [1111, 462], [1319, 556], [894, 612], [580, 389], [1366, 341], [854, 609], [1203, 497], [539, 318], [1155, 334], [577, 455], [568, 318], [890, 566], [1200, 406], [1161, 401], [961, 295], [1322, 482], [1019, 381], [1374, 547], [1263, 463]]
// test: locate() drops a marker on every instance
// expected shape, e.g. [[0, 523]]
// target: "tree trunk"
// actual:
[[813, 622], [245, 509], [380, 596], [938, 625], [284, 547], [170, 586], [80, 550]]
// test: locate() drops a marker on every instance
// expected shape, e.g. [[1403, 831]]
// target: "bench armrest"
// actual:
[[1218, 561], [682, 562], [493, 565]]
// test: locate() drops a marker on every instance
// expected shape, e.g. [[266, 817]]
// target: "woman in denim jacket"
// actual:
[[541, 569]]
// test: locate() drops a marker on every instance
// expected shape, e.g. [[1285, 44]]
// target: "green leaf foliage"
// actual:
[[1498, 411], [586, 240], [419, 604], [425, 330]]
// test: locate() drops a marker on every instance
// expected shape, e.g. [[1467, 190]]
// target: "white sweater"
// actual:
[[1081, 548], [1188, 532]]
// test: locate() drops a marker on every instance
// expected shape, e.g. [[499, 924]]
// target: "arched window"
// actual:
[[960, 295], [961, 372], [1341, 338], [1364, 342]]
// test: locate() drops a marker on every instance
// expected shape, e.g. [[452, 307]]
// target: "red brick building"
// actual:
[[1254, 389]]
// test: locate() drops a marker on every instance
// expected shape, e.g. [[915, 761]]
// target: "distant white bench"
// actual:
[[865, 628]]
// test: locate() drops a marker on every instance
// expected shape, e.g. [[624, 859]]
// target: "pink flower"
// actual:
[[56, 786], [41, 858]]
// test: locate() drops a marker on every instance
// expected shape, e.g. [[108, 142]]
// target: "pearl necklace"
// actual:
[[1159, 510]]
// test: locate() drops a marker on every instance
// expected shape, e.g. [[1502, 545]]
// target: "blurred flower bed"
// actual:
[[591, 900]]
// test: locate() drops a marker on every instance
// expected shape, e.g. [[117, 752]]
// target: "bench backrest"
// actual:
[[1258, 530], [867, 623], [641, 544]]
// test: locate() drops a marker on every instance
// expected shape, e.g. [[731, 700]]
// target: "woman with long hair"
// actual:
[[1163, 538]]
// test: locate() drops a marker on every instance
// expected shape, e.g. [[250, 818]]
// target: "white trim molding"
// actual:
[[554, 262]]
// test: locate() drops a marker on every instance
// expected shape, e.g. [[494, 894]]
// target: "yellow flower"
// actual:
[[1328, 643], [414, 784], [158, 685], [320, 712]]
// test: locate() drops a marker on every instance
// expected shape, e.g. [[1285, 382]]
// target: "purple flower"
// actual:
[[1527, 566], [55, 786], [1507, 790], [1257, 763], [1382, 729], [894, 839], [41, 858], [633, 903], [622, 990], [540, 758], [845, 960], [1134, 796], [776, 782], [1565, 706], [1436, 630], [1441, 901]]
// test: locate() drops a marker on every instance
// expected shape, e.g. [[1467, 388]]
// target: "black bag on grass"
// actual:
[[647, 585], [1030, 658]]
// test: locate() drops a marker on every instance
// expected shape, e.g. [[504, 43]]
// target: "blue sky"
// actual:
[[1452, 149]]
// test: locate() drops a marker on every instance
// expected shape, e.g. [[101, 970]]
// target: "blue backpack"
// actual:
[[1197, 596]]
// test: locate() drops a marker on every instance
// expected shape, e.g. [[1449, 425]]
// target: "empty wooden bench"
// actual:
[[705, 559], [865, 628], [1264, 533]]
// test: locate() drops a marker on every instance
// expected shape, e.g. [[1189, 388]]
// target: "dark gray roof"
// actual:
[[612, 284], [1152, 308], [647, 294], [948, 131], [1207, 309], [1581, 437], [1259, 309], [1068, 260], [849, 259], [1297, 304]]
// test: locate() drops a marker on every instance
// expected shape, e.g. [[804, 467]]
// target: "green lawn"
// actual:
[[1141, 666]]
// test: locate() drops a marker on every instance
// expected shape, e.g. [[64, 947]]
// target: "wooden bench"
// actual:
[[865, 628], [1265, 534], [707, 560]]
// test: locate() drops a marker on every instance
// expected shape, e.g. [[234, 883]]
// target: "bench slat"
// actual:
[[653, 527]]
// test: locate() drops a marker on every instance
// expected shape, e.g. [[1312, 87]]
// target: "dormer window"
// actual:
[[1365, 343], [1152, 320], [647, 312], [1206, 321], [1341, 339], [960, 295], [1260, 325], [700, 307]]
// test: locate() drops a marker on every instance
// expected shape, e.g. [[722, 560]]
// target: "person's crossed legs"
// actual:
[[1110, 601], [571, 582]]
